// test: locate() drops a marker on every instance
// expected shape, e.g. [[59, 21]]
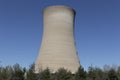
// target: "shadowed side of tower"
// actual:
[[58, 48]]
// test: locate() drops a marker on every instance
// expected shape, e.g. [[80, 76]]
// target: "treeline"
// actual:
[[16, 72]]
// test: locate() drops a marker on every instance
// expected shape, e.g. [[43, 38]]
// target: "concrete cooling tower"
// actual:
[[58, 49]]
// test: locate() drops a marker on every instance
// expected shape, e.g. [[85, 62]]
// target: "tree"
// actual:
[[45, 74], [3, 75], [118, 72], [63, 74], [95, 73], [91, 73], [112, 75], [80, 74], [18, 73], [31, 73]]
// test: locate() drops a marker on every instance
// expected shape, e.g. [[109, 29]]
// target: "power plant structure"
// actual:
[[58, 48]]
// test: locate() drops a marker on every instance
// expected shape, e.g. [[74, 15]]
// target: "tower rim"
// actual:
[[59, 6]]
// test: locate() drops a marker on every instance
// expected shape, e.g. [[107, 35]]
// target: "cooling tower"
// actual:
[[58, 49]]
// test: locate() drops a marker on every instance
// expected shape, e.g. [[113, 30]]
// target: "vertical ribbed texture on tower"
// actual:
[[58, 49]]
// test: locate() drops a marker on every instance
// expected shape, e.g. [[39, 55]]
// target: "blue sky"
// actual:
[[97, 30]]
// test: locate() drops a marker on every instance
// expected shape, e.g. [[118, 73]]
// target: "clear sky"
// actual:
[[97, 30]]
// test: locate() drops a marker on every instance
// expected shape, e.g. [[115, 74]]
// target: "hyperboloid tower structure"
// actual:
[[58, 49]]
